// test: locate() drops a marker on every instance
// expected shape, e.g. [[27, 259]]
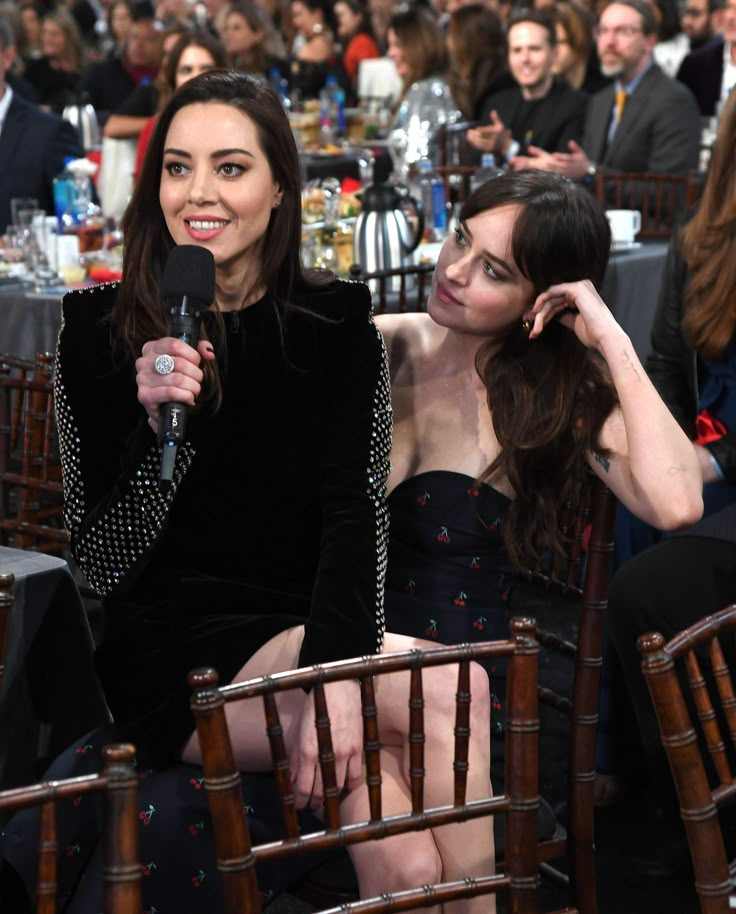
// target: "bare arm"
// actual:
[[653, 467], [124, 126]]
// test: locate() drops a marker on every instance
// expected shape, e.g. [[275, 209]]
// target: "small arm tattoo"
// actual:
[[626, 359], [675, 470], [602, 460]]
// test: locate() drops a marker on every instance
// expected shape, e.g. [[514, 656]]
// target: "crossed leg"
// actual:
[[401, 862]]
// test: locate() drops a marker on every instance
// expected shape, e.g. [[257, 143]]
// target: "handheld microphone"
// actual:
[[188, 289]]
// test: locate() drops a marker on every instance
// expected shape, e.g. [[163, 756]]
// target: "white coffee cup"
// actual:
[[625, 224]]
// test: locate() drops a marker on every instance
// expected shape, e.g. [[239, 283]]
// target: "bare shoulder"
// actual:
[[407, 336]]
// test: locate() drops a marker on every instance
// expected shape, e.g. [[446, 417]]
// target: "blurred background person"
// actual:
[[144, 101], [119, 21], [540, 109], [313, 46], [56, 73], [380, 12], [477, 46], [710, 72], [247, 35], [28, 32], [672, 43], [216, 15], [192, 54], [576, 61], [108, 83], [700, 20], [171, 13], [417, 46], [355, 32], [33, 143]]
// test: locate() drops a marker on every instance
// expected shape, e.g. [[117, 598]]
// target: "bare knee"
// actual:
[[440, 694], [397, 864]]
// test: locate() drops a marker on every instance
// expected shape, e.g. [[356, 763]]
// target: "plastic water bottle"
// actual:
[[76, 213], [432, 195], [280, 85], [70, 198], [487, 171], [331, 111]]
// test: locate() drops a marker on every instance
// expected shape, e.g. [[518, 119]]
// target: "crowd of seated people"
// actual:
[[555, 91]]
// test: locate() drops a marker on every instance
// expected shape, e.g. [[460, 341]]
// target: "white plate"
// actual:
[[619, 247]]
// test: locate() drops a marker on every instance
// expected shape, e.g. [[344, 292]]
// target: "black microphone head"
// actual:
[[190, 272]]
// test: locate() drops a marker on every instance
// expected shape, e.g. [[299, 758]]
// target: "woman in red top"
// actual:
[[356, 35]]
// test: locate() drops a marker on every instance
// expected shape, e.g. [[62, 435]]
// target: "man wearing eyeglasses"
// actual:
[[710, 72], [644, 121]]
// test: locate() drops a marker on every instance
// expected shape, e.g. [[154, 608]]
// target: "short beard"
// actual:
[[613, 70]]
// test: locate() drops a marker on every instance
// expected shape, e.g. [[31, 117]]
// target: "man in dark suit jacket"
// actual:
[[33, 143], [702, 72], [539, 109], [659, 127]]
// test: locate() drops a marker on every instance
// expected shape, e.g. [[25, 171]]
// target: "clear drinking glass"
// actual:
[[21, 203]]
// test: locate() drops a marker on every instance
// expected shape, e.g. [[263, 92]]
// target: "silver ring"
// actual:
[[164, 364]]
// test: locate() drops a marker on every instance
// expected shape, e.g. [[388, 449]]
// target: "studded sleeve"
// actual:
[[346, 617], [113, 508]]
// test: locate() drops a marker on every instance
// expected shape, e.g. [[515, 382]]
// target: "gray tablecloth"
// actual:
[[631, 290], [29, 321], [50, 695]]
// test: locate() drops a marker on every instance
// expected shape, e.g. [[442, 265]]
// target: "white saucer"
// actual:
[[618, 247]]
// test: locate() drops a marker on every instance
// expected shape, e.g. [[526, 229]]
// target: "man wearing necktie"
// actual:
[[644, 122]]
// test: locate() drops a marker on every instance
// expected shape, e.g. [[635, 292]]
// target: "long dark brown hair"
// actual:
[[550, 396], [139, 314], [479, 58], [708, 245], [422, 43]]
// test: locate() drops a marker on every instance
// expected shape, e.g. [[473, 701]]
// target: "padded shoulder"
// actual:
[[86, 323], [338, 299]]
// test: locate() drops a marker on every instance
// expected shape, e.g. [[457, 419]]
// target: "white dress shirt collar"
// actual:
[[5, 104]]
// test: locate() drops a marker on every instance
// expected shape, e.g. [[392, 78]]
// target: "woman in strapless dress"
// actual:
[[515, 378]]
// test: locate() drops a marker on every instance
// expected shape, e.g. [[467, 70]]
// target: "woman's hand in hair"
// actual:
[[182, 385], [579, 307]]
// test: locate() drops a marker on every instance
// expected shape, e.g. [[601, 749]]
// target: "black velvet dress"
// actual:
[[276, 518]]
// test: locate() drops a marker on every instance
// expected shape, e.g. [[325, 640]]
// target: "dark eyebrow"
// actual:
[[217, 154], [488, 254]]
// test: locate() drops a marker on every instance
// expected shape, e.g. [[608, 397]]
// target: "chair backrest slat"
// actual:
[[416, 740], [371, 746], [707, 716], [281, 765], [326, 756], [462, 733], [660, 198]]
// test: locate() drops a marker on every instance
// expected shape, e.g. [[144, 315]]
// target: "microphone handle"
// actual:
[[183, 325]]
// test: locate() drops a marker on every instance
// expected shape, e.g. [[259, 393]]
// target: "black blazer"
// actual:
[[702, 72], [33, 146]]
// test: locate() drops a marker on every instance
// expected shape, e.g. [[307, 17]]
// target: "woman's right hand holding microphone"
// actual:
[[182, 384]]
